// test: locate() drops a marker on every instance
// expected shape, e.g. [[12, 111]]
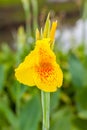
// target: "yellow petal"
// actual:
[[53, 29], [48, 80], [59, 76], [24, 72], [25, 76], [43, 50]]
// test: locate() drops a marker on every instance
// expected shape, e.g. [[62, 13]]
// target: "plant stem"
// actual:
[[46, 109], [28, 17], [26, 6], [35, 14]]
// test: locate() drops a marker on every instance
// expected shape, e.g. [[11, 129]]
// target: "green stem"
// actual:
[[35, 14], [46, 109], [26, 6], [28, 17]]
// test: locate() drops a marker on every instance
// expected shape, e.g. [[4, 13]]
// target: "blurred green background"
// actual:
[[20, 106]]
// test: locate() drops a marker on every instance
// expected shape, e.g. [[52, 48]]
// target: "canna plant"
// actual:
[[41, 69]]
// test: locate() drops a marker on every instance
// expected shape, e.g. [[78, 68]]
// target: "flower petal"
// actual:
[[47, 79], [24, 72], [53, 29], [59, 76], [43, 50]]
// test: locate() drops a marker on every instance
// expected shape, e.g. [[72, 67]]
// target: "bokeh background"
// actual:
[[20, 106]]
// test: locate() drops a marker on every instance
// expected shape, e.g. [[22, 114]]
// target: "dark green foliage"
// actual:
[[30, 115], [77, 71]]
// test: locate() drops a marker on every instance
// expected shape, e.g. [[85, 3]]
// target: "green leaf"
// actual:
[[84, 10], [61, 120], [54, 102], [2, 77], [81, 102], [7, 57], [47, 27], [17, 90], [80, 123], [77, 71], [8, 115], [30, 115]]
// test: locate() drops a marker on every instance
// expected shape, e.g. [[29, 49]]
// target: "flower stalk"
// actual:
[[45, 96]]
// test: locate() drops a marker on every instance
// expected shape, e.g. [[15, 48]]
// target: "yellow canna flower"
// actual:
[[40, 68]]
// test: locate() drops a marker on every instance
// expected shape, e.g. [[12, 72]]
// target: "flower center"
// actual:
[[44, 70]]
